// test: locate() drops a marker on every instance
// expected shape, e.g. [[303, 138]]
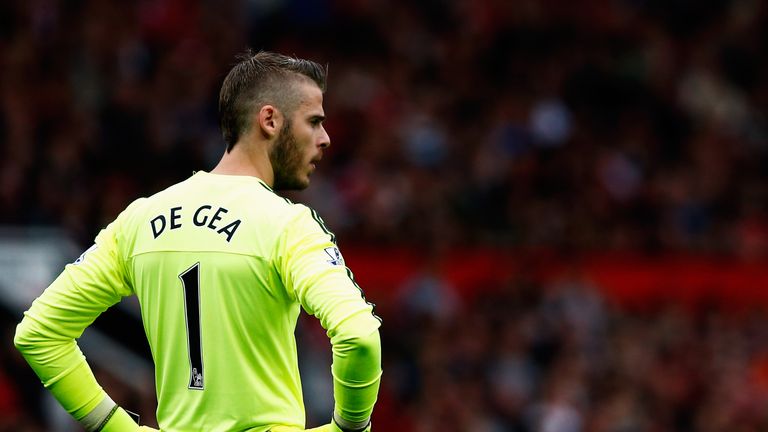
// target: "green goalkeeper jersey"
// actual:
[[221, 266]]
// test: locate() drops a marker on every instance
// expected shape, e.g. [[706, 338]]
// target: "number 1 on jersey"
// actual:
[[190, 281]]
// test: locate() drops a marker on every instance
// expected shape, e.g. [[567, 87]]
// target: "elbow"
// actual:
[[361, 345], [368, 344], [22, 338], [26, 337]]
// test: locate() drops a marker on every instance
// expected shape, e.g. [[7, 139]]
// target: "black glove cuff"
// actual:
[[346, 426]]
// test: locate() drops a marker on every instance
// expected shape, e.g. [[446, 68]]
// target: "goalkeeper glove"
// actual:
[[330, 427], [122, 422], [334, 427], [324, 428], [119, 420]]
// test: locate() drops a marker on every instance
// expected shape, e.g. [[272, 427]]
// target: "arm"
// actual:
[[46, 336], [315, 274], [356, 372]]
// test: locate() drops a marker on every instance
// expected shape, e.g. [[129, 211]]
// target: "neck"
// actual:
[[247, 159]]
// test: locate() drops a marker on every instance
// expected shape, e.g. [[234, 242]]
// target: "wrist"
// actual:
[[119, 421], [349, 426], [99, 415]]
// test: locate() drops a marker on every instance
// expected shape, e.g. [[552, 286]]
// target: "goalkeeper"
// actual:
[[221, 266]]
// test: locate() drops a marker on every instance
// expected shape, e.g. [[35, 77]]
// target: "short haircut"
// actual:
[[260, 79]]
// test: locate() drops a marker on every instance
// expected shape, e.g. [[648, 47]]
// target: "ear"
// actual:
[[270, 120]]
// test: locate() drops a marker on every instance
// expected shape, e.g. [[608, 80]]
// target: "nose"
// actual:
[[325, 140]]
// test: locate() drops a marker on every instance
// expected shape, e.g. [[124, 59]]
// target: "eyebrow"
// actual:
[[317, 117]]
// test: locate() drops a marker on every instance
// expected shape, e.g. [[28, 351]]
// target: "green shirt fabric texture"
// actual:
[[221, 266]]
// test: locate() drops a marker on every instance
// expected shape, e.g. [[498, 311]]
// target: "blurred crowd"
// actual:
[[555, 357], [592, 125], [580, 125]]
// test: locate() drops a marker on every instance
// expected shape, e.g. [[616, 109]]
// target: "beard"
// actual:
[[287, 161]]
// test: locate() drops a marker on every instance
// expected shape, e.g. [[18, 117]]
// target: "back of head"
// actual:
[[259, 79]]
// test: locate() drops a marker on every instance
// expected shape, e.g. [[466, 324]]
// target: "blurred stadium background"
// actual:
[[558, 206]]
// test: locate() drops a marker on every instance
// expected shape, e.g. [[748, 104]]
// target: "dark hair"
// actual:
[[259, 79]]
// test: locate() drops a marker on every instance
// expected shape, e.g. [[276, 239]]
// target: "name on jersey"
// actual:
[[204, 216]]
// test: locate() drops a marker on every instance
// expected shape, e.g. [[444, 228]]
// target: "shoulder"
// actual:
[[135, 213], [147, 204], [133, 210], [286, 210], [306, 220], [130, 212]]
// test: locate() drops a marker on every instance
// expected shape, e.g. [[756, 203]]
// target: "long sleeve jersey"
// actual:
[[221, 266]]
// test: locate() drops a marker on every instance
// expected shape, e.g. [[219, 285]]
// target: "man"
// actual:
[[221, 266]]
